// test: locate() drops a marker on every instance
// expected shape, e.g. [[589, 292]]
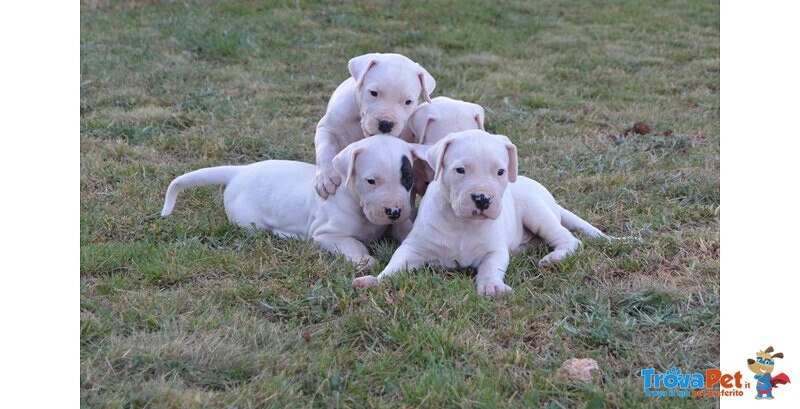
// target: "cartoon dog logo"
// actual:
[[763, 366]]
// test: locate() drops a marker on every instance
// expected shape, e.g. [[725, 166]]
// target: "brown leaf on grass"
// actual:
[[639, 128]]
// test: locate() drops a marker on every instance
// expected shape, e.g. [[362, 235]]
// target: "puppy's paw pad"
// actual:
[[365, 282], [494, 290]]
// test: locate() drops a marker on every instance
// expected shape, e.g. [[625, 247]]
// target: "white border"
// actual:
[[40, 171], [760, 87]]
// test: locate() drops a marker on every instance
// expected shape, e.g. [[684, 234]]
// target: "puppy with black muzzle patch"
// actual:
[[477, 209], [279, 196]]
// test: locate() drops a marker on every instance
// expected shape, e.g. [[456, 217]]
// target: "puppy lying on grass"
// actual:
[[279, 196], [477, 209]]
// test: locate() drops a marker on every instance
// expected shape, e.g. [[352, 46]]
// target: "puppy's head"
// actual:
[[431, 122], [377, 172], [442, 116], [473, 169], [388, 88]]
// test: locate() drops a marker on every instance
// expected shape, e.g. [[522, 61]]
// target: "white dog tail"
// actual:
[[220, 175], [573, 222]]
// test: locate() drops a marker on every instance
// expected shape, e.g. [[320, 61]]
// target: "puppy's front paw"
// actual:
[[365, 263], [546, 263], [493, 289], [327, 181], [365, 282]]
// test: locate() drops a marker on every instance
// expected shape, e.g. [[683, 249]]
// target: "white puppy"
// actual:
[[472, 216], [279, 196], [431, 122], [381, 93]]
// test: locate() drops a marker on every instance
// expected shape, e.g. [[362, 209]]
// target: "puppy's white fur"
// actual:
[[279, 196], [431, 122], [477, 210], [382, 87]]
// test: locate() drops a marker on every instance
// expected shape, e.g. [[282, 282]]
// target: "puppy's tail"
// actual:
[[573, 222], [220, 175]]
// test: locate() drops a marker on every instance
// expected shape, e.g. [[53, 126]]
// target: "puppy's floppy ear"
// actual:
[[427, 82], [435, 155], [777, 355], [768, 350], [480, 116], [512, 158], [345, 163], [420, 120], [418, 151], [358, 67]]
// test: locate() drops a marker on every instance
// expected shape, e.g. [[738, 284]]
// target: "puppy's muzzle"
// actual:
[[393, 213], [482, 202], [385, 126]]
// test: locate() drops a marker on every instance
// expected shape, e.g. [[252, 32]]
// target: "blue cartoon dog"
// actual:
[[763, 366]]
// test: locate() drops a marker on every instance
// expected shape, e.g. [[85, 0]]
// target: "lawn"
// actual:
[[191, 311]]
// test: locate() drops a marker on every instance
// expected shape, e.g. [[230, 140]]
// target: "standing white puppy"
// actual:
[[472, 217], [279, 196], [382, 92]]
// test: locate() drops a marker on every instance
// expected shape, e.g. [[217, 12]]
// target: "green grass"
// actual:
[[190, 311]]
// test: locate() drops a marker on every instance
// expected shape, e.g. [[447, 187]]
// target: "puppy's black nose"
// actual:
[[481, 201], [385, 126], [393, 212]]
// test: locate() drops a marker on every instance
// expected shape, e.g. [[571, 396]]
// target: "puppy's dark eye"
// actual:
[[408, 102], [501, 172], [374, 93], [371, 181], [460, 170]]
